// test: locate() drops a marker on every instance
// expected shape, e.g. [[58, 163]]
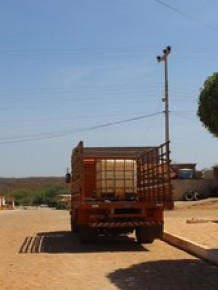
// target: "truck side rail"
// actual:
[[154, 181], [77, 187]]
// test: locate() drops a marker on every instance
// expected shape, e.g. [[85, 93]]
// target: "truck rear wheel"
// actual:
[[74, 226], [142, 236], [149, 233]]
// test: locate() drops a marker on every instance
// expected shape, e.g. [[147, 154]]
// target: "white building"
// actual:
[[6, 202]]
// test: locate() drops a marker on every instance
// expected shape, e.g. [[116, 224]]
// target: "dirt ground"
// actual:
[[205, 209], [195, 221], [37, 251]]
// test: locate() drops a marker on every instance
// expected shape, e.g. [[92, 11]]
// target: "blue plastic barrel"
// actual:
[[185, 173]]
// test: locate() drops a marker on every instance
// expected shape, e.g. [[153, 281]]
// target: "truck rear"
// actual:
[[119, 190]]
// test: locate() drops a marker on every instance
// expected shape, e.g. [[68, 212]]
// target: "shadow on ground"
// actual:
[[167, 275], [66, 242]]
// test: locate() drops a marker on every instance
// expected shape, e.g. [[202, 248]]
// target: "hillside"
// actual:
[[10, 185]]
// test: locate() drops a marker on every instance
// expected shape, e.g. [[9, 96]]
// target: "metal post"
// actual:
[[164, 57]]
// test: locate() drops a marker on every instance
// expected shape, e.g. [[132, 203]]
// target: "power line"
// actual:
[[178, 11], [73, 53], [97, 53], [85, 92], [69, 132]]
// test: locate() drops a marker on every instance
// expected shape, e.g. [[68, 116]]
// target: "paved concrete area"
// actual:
[[193, 227], [38, 251]]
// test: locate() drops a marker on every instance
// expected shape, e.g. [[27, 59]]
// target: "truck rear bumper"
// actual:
[[133, 224]]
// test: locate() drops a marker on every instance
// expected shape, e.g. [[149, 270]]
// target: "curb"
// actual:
[[191, 247]]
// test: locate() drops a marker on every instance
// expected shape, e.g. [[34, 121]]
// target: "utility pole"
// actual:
[[163, 58]]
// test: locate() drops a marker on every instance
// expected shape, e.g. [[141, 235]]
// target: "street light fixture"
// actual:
[[163, 58]]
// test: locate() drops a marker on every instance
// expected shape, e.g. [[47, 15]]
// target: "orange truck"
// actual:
[[119, 190]]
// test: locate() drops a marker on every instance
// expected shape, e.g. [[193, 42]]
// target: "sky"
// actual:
[[74, 70]]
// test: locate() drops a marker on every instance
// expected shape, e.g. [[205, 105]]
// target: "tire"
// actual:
[[142, 237], [189, 195], [197, 195], [74, 226]]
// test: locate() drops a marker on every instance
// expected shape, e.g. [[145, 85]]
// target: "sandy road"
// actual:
[[37, 251]]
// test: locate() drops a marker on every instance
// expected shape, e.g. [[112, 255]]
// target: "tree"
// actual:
[[208, 104], [38, 199], [22, 197], [48, 195]]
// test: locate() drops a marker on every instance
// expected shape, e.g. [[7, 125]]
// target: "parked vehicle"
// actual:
[[118, 190]]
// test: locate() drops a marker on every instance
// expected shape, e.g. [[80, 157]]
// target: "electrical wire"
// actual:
[[178, 11], [70, 132], [83, 53], [84, 93], [74, 53]]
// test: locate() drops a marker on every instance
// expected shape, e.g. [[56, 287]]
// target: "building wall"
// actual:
[[2, 201], [200, 185], [6, 202]]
